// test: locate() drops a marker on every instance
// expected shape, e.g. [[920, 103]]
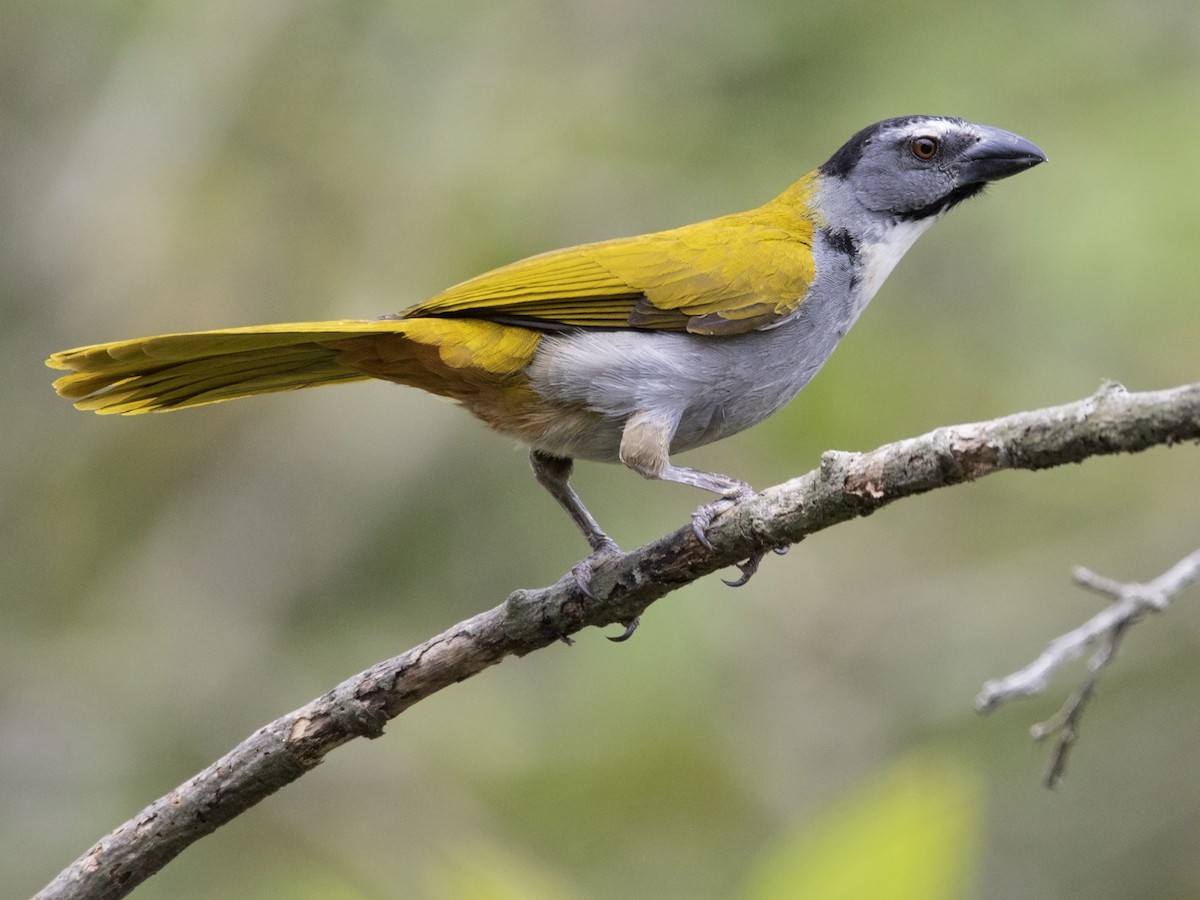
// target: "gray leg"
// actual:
[[552, 473]]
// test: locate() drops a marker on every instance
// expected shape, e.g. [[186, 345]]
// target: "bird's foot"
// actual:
[[750, 566], [603, 551], [703, 518]]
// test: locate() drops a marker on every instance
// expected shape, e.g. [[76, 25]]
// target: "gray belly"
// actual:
[[713, 387]]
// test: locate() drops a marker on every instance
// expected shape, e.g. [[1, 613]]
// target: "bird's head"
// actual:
[[918, 167]]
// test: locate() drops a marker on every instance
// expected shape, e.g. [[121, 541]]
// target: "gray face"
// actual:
[[920, 166]]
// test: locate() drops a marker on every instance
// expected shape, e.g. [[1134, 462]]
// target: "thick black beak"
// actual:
[[997, 154]]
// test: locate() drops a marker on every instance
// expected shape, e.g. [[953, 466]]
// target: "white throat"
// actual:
[[881, 256]]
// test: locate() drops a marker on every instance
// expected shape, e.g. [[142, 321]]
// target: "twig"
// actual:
[[1107, 628], [844, 487]]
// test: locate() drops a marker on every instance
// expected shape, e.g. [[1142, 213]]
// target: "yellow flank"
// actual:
[[727, 275], [474, 344]]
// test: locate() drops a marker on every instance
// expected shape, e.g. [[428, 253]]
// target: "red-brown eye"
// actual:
[[924, 148]]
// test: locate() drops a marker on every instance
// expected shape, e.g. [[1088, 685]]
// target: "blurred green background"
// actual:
[[167, 584]]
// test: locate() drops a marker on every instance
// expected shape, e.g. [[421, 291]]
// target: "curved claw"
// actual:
[[708, 513], [703, 518], [630, 627], [582, 573], [748, 568], [583, 570]]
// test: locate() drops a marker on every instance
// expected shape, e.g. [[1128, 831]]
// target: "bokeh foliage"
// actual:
[[169, 583]]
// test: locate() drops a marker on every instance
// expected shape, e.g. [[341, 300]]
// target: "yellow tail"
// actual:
[[174, 371]]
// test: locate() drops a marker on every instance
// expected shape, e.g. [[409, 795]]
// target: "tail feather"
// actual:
[[179, 370], [198, 383]]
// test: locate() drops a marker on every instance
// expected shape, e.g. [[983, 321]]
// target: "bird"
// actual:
[[628, 350]]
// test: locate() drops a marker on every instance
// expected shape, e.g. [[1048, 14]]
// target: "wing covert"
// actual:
[[728, 275]]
